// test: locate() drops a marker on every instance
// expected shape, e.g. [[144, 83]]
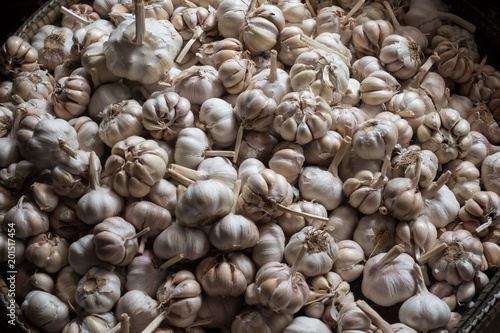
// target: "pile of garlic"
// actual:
[[233, 165]]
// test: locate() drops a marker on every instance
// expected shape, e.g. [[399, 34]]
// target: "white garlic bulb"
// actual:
[[375, 139], [46, 311], [219, 119], [120, 120], [303, 324], [198, 83], [98, 290], [53, 45], [271, 244]]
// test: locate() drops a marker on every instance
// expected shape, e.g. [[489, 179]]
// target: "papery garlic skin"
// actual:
[[375, 233], [271, 244], [350, 262], [176, 240], [319, 184], [46, 310], [190, 147], [489, 173]]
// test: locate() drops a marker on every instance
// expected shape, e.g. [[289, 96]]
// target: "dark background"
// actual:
[[14, 13]]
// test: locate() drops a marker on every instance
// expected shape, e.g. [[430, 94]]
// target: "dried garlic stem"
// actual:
[[189, 173], [394, 20], [155, 323], [311, 8], [384, 326], [237, 146], [236, 193], [144, 92], [200, 322], [383, 172], [418, 170], [179, 177], [196, 33], [426, 66], [286, 209], [224, 153], [139, 234], [116, 329], [296, 263], [172, 261], [95, 78], [344, 147], [435, 250], [484, 226], [125, 323], [434, 188], [77, 17], [18, 99], [393, 253], [63, 145], [142, 245], [180, 191], [140, 23], [273, 70], [354, 9], [250, 9], [457, 20]]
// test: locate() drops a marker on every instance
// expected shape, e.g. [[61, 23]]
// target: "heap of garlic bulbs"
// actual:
[[249, 166]]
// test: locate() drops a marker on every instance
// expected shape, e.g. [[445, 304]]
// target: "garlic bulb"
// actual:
[[375, 233], [115, 241], [26, 218], [321, 251], [367, 38], [259, 319], [106, 95], [17, 55], [225, 275], [46, 310], [342, 222], [271, 244], [302, 117], [375, 139], [350, 262], [219, 119], [332, 19], [71, 96], [180, 242], [480, 212], [38, 84], [94, 62], [219, 311], [231, 17], [482, 83], [190, 147], [82, 256], [401, 55], [48, 251], [325, 74], [352, 318], [388, 278], [446, 134], [165, 114], [142, 49], [489, 173], [53, 45], [16, 176], [98, 323], [460, 260], [203, 203], [405, 163], [278, 287], [378, 87], [321, 151], [135, 165], [180, 296], [262, 28], [198, 83], [141, 308], [409, 106], [291, 45], [481, 120], [235, 74], [18, 248], [233, 233], [163, 193], [141, 267], [87, 133], [305, 324], [226, 49], [70, 177], [147, 215], [101, 201], [66, 284], [423, 311], [120, 121], [287, 160], [98, 291], [263, 194], [292, 224], [77, 16], [440, 204], [455, 61], [401, 196]]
